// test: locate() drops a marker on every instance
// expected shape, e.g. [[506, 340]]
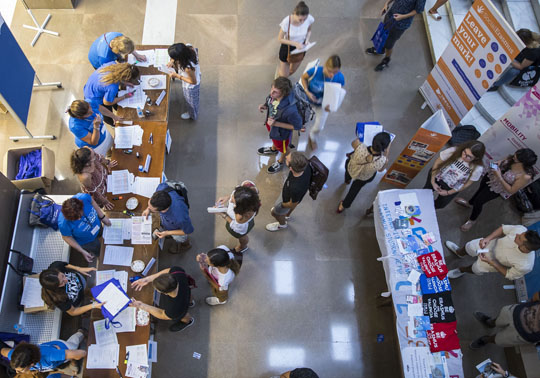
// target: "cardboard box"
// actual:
[[30, 310], [51, 4], [11, 165]]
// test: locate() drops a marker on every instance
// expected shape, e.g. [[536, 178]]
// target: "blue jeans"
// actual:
[[507, 76]]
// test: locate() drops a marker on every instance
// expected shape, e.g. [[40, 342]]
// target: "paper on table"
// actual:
[[409, 199], [415, 309], [31, 296], [115, 299], [137, 100], [306, 48], [127, 320], [145, 186], [161, 57], [141, 230], [137, 354], [102, 356], [104, 335], [115, 255], [147, 87], [113, 234], [105, 275], [148, 54], [126, 231], [136, 371], [123, 137], [333, 96], [137, 135], [120, 182], [414, 276]]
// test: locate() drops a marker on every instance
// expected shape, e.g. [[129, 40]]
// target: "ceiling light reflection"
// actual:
[[283, 277], [286, 356], [341, 346]]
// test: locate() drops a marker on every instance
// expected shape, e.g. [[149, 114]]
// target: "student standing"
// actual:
[[185, 61], [294, 33], [86, 124], [399, 17], [313, 83], [110, 47], [219, 267]]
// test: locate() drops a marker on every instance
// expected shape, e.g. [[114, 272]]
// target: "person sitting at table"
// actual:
[[53, 356], [102, 87], [510, 251], [174, 215], [175, 299], [185, 61], [92, 169], [112, 46], [62, 286], [86, 124], [79, 223]]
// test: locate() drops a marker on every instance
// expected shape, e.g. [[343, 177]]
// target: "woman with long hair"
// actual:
[[242, 207], [504, 179], [185, 62], [87, 126], [101, 88], [294, 33], [220, 266], [92, 169], [455, 169], [62, 286], [110, 47]]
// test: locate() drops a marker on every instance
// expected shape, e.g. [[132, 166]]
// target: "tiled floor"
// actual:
[[306, 295]]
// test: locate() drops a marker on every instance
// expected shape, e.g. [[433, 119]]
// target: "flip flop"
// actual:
[[436, 16]]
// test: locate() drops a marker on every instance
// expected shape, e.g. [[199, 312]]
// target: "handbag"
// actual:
[[381, 35], [293, 58], [96, 291], [527, 77]]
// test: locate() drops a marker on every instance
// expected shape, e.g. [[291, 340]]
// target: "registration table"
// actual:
[[154, 144], [401, 218]]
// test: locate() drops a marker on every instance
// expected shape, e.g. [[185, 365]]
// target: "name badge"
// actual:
[[95, 230]]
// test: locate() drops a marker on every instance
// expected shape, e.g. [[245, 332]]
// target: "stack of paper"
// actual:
[[161, 57], [104, 335], [145, 186], [128, 136], [333, 96], [138, 100], [105, 275], [115, 255], [145, 82], [102, 356], [141, 230], [127, 320], [306, 48], [148, 54], [118, 231], [119, 182], [115, 300], [137, 361], [31, 296]]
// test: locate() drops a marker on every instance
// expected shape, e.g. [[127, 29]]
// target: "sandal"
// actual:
[[462, 202], [467, 225], [340, 208], [436, 16]]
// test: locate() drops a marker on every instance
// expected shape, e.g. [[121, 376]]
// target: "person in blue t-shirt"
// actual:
[[80, 224], [174, 215], [112, 46], [87, 126], [47, 357], [102, 87], [313, 82]]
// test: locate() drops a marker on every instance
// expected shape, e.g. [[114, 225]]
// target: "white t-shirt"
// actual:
[[197, 69], [239, 228], [298, 33], [506, 252], [223, 279], [457, 174]]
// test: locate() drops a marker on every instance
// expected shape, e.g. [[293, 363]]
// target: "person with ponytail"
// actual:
[[294, 33], [220, 266], [86, 124], [110, 47], [455, 169], [102, 87], [504, 179], [185, 62], [62, 286]]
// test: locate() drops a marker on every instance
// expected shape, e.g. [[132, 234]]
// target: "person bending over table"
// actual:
[[80, 224], [86, 124], [102, 87], [62, 286], [175, 299], [112, 46]]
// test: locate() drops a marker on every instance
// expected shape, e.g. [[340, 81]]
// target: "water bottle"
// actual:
[[19, 328]]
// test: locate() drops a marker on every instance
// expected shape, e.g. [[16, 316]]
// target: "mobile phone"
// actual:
[[493, 165], [482, 250]]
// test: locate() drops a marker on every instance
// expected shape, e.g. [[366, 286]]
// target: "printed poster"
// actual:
[[480, 50]]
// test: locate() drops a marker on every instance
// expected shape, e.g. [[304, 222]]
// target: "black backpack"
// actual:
[[319, 175], [178, 187], [463, 134]]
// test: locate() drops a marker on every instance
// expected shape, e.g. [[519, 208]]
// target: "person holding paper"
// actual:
[[294, 33], [175, 298], [86, 124], [282, 117], [47, 357], [313, 83], [62, 286], [174, 215], [243, 206], [110, 47], [80, 225], [102, 87], [508, 250], [92, 169], [220, 266], [185, 61], [363, 164]]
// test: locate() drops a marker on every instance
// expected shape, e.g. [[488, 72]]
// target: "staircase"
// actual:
[[519, 14]]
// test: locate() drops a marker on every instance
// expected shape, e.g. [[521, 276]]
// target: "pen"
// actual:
[[127, 358], [118, 371], [151, 140]]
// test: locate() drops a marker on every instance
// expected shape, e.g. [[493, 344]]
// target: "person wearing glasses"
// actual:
[[455, 169]]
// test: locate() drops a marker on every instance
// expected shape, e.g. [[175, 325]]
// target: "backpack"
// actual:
[[319, 175], [528, 199], [463, 134], [302, 104], [178, 187], [44, 212]]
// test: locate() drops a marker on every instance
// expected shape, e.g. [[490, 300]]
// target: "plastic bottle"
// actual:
[[19, 328]]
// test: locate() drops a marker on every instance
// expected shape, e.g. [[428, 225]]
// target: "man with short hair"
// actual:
[[508, 250], [174, 215], [294, 189], [282, 117], [299, 373]]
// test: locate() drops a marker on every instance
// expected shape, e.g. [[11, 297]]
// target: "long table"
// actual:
[[397, 272]]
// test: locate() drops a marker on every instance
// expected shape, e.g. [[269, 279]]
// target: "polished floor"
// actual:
[[307, 295]]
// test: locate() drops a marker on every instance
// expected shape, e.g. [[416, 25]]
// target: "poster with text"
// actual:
[[483, 45]]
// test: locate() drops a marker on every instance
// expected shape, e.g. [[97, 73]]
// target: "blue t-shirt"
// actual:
[[404, 7], [95, 91], [177, 216], [51, 356], [101, 52], [81, 127], [316, 84], [85, 229]]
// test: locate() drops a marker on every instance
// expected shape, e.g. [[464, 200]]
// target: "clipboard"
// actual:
[[96, 291]]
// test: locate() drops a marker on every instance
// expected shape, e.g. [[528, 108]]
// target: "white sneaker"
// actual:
[[275, 226], [453, 247], [213, 301], [455, 273], [185, 115]]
